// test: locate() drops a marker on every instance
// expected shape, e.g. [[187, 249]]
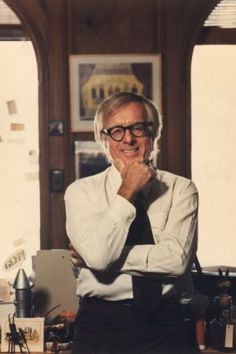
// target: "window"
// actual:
[[214, 151]]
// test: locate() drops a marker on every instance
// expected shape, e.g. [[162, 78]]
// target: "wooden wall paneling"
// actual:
[[156, 20], [172, 37], [57, 48], [163, 158], [112, 26], [108, 27], [216, 35]]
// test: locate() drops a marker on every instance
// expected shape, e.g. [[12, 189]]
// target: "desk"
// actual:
[[206, 351], [46, 352], [212, 351]]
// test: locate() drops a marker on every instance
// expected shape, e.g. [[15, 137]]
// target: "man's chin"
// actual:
[[131, 159]]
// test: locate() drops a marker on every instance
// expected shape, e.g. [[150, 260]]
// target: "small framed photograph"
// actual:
[[95, 77], [89, 159], [56, 128], [32, 329], [57, 180]]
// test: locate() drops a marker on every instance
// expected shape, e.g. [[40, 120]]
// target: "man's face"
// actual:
[[130, 148]]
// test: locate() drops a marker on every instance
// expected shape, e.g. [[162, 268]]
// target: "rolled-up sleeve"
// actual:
[[97, 231]]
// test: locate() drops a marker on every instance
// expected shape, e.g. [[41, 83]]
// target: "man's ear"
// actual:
[[104, 140]]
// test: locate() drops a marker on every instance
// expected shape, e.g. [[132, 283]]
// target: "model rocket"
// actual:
[[22, 294]]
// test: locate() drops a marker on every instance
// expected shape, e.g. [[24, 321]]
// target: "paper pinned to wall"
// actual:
[[4, 291], [15, 260], [17, 126], [11, 107]]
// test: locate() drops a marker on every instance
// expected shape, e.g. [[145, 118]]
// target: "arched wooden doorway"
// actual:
[[33, 25]]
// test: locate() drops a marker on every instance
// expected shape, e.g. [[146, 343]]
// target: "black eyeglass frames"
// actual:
[[137, 130]]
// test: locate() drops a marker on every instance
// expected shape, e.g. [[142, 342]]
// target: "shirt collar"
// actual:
[[114, 180]]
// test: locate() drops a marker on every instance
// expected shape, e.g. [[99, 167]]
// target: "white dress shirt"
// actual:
[[98, 221]]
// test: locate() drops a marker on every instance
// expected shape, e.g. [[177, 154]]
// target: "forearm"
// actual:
[[99, 237], [175, 239], [167, 258]]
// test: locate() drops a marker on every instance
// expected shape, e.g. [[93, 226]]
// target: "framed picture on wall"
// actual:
[[89, 159], [95, 77]]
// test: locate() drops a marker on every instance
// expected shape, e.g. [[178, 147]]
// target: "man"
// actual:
[[132, 230]]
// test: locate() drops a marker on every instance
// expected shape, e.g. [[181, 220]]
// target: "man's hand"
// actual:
[[77, 260], [134, 177]]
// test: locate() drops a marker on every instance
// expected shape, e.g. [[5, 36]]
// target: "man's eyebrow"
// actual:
[[129, 125]]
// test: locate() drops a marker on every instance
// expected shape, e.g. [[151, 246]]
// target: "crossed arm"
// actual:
[[98, 234]]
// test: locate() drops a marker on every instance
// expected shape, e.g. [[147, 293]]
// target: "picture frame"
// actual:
[[56, 128], [90, 159], [95, 77], [57, 180], [33, 329]]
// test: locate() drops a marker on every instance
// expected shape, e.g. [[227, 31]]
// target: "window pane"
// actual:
[[214, 151], [19, 152]]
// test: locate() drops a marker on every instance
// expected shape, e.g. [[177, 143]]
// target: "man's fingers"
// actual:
[[71, 248], [74, 261], [73, 254]]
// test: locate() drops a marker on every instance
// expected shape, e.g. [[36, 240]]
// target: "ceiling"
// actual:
[[7, 16], [223, 15]]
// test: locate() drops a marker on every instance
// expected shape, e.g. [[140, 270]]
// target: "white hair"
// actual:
[[114, 103]]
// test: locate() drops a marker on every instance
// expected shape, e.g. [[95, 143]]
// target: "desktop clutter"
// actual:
[[222, 326], [216, 314], [35, 319], [42, 312]]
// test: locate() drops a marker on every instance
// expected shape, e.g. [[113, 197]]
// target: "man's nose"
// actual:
[[128, 137]]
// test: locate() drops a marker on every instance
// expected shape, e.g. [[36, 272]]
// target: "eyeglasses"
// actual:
[[137, 130]]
